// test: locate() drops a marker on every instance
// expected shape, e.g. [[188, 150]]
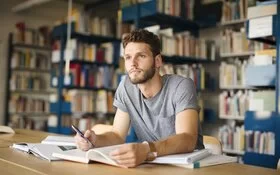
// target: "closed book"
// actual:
[[185, 158], [209, 161]]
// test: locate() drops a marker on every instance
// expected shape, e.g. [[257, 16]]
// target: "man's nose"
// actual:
[[134, 61]]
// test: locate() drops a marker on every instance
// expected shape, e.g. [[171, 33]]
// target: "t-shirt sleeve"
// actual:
[[119, 99], [185, 96]]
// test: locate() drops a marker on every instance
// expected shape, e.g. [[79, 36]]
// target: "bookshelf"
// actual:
[[90, 77], [235, 54], [266, 122], [26, 102], [151, 13]]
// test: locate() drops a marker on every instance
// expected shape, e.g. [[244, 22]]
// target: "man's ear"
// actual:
[[158, 61]]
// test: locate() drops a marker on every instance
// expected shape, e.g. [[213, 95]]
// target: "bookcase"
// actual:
[[27, 97], [93, 78], [263, 28], [184, 24], [235, 52]]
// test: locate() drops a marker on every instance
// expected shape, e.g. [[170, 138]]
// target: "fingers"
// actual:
[[82, 143], [125, 155]]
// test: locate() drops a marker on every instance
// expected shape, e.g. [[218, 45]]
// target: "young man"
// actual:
[[162, 110]]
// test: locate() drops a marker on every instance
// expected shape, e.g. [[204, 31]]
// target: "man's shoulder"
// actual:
[[174, 79]]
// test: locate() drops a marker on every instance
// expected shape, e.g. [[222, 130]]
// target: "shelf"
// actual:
[[264, 29], [61, 31], [183, 60], [241, 54], [88, 88], [90, 114], [232, 117], [30, 46], [230, 151], [150, 16], [89, 63], [237, 87], [233, 22], [32, 91], [31, 113], [31, 70]]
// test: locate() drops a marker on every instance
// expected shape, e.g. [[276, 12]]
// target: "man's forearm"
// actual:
[[108, 138], [179, 143]]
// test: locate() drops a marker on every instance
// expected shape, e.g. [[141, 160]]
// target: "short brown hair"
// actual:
[[143, 36]]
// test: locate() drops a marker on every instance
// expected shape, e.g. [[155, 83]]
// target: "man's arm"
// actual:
[[116, 136], [131, 155], [119, 131], [186, 135]]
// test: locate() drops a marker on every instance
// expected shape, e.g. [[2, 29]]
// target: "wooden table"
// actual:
[[15, 162]]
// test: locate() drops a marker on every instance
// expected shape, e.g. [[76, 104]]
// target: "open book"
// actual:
[[43, 151], [97, 154], [47, 146], [59, 140]]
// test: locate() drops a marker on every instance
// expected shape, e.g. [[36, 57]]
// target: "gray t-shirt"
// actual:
[[154, 118]]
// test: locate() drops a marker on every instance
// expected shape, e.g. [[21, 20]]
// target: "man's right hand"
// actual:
[[82, 143]]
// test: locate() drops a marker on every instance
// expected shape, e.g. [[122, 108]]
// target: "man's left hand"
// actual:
[[130, 155]]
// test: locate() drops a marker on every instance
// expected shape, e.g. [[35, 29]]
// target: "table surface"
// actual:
[[13, 161]]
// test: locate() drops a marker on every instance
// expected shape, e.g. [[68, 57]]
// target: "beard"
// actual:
[[143, 78]]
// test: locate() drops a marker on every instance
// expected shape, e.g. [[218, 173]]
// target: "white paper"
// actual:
[[260, 27]]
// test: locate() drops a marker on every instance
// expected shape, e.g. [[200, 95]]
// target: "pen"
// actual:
[[81, 134]]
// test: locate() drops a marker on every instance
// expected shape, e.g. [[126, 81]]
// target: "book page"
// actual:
[[102, 155], [59, 140]]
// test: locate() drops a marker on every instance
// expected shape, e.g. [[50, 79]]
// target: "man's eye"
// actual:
[[126, 58], [142, 56]]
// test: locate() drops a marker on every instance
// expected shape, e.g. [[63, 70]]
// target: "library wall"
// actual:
[[45, 14]]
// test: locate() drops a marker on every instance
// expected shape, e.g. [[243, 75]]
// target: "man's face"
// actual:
[[139, 62]]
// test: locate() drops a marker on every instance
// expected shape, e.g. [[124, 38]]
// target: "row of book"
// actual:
[[76, 50], [260, 142], [85, 101], [182, 8], [194, 71], [30, 59], [28, 81], [237, 139], [89, 76], [83, 122], [232, 137], [232, 105], [25, 122], [235, 10], [28, 104], [25, 35], [232, 73], [184, 44], [236, 42], [84, 23]]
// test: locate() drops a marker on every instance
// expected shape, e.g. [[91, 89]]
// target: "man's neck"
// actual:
[[150, 88]]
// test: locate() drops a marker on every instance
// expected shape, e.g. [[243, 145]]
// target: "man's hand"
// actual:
[[82, 143], [130, 155]]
